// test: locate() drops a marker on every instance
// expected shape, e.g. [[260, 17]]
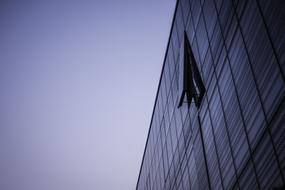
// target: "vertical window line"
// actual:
[[219, 94], [204, 151], [198, 109], [258, 93], [238, 100], [270, 40], [217, 86], [192, 151], [229, 141]]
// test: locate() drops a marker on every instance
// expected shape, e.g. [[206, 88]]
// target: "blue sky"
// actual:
[[78, 81]]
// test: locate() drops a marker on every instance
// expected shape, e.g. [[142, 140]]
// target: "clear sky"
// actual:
[[78, 81]]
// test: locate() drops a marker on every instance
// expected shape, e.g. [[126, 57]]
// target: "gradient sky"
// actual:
[[77, 86]]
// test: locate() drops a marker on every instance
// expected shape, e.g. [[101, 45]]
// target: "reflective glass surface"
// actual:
[[236, 138]]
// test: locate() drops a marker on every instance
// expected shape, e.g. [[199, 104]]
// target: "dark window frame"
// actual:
[[190, 80]]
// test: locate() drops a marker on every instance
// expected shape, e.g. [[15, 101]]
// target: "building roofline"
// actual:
[[164, 60]]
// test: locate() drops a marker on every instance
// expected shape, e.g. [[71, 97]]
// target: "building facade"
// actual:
[[219, 117]]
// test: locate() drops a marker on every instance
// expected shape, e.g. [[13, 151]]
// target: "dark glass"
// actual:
[[235, 139]]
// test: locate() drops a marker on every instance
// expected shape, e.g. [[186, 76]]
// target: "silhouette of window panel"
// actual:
[[190, 82]]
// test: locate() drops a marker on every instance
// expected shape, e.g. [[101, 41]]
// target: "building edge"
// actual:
[[165, 55]]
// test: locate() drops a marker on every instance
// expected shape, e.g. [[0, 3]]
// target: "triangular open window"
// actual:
[[190, 81]]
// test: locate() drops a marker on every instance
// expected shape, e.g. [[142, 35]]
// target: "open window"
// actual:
[[190, 82]]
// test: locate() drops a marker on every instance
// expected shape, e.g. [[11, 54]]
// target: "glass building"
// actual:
[[219, 117]]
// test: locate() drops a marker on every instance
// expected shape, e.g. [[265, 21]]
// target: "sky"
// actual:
[[78, 80]]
